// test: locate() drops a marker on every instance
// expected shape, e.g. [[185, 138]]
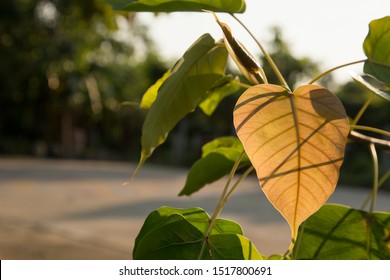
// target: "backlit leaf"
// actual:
[[373, 85], [151, 94], [229, 6], [200, 68], [217, 160], [296, 143], [215, 95], [376, 47], [338, 232]]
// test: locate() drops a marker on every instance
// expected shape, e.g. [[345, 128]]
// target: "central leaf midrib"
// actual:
[[298, 140]]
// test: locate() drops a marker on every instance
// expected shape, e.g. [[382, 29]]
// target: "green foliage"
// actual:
[[376, 47], [170, 233], [218, 158], [338, 232], [200, 69], [295, 140], [216, 94], [229, 6]]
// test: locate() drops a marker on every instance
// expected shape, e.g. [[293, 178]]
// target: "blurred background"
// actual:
[[71, 76]]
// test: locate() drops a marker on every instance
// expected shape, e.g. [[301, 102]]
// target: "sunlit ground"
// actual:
[[57, 209]]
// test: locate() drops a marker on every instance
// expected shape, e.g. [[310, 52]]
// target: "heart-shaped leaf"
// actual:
[[229, 6], [296, 143], [339, 232], [171, 233], [376, 47]]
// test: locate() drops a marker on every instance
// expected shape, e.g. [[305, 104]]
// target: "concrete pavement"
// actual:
[[63, 209]]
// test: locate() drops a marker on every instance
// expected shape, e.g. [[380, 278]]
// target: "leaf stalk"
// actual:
[[221, 203], [327, 72], [265, 53]]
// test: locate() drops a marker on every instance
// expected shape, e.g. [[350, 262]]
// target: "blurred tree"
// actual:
[[65, 68], [295, 70]]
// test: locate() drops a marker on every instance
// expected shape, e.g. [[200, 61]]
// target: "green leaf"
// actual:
[[171, 233], [223, 226], [196, 216], [232, 247], [200, 68], [151, 94], [173, 238], [218, 158], [373, 85], [376, 47], [340, 232], [229, 6], [215, 95]]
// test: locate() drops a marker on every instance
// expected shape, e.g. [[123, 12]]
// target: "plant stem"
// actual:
[[362, 109], [265, 53], [242, 177], [372, 129], [381, 181], [364, 139], [297, 245], [335, 68], [375, 182], [221, 203], [373, 196], [384, 178], [242, 85]]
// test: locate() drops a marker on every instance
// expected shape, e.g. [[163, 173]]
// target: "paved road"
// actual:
[[59, 209]]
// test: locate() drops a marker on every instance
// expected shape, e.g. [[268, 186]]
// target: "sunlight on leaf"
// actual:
[[217, 160], [338, 232], [296, 143], [151, 94], [215, 95], [229, 6], [373, 85], [376, 47], [199, 70]]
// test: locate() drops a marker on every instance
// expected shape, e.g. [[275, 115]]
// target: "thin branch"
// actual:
[[371, 129], [335, 68], [375, 180], [364, 139], [265, 53], [362, 109], [221, 203]]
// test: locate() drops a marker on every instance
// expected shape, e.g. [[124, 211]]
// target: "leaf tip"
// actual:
[[144, 157]]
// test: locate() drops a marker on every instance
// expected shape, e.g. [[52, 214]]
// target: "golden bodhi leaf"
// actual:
[[296, 143]]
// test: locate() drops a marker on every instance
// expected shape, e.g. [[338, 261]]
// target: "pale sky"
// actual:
[[330, 32]]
